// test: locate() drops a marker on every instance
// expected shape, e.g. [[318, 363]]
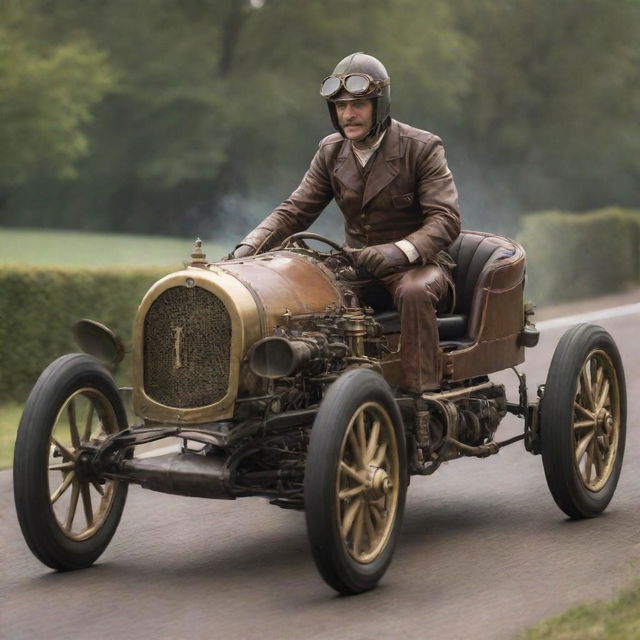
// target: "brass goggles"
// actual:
[[357, 84]]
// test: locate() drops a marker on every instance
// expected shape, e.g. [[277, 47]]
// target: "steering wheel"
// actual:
[[297, 240], [342, 263]]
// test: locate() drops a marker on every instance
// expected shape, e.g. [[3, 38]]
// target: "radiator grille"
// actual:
[[187, 345]]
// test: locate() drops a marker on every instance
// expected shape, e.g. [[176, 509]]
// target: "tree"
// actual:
[[551, 117], [46, 96], [210, 113]]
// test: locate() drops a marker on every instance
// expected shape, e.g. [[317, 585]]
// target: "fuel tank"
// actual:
[[284, 281]]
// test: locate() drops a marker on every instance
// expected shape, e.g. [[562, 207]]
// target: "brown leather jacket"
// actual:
[[409, 194]]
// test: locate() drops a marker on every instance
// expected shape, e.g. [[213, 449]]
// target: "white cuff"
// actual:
[[409, 250]]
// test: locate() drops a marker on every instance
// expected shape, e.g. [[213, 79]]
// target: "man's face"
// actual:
[[355, 117]]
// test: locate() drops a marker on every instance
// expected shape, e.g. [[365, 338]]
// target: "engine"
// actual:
[[459, 421], [211, 334], [479, 415]]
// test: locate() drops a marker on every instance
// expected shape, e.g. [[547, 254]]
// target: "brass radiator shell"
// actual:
[[194, 327]]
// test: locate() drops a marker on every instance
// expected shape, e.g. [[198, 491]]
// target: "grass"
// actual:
[[10, 413], [84, 249], [617, 619]]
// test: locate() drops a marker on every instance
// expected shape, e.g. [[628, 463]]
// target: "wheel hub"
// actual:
[[378, 483], [84, 467], [604, 422]]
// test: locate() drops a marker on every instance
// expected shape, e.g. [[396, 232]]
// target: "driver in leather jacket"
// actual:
[[400, 204]]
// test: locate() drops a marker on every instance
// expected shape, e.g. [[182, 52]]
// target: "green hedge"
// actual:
[[38, 307], [572, 256]]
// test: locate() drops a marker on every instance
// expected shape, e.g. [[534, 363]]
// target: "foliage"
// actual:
[[38, 306], [577, 256], [47, 94], [200, 116], [617, 619], [555, 86]]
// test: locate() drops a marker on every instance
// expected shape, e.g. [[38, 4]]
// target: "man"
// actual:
[[400, 204]]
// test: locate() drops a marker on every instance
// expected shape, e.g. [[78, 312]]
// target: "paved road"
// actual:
[[484, 553]]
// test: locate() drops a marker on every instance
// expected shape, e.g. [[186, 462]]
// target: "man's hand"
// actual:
[[381, 259], [241, 251]]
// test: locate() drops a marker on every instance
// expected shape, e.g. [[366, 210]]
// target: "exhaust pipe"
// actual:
[[183, 474]]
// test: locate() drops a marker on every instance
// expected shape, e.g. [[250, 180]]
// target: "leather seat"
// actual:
[[473, 252]]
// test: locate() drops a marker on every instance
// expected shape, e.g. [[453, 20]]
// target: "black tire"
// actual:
[[55, 533], [583, 421], [353, 545]]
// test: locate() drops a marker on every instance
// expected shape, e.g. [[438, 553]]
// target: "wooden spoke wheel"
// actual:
[[596, 420], [583, 421], [368, 483], [67, 513], [355, 481], [86, 417]]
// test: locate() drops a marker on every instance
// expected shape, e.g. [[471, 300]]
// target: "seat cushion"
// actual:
[[450, 326]]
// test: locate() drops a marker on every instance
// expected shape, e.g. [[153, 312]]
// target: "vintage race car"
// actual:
[[282, 383]]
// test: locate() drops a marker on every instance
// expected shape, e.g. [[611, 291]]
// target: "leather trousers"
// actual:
[[418, 293]]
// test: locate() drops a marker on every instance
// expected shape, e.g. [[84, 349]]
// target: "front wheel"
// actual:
[[583, 421], [67, 513], [355, 481]]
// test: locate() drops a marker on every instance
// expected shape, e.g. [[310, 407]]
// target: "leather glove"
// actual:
[[382, 259], [241, 251], [259, 240], [352, 253]]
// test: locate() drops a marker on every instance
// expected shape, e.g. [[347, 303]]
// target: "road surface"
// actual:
[[484, 553]]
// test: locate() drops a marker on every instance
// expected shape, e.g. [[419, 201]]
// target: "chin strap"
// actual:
[[377, 130]]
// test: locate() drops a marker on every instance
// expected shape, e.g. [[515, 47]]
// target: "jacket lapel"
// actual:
[[346, 170], [386, 164]]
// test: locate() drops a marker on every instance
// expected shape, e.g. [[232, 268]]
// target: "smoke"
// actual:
[[227, 223]]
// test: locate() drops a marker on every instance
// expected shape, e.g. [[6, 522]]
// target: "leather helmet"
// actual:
[[380, 90]]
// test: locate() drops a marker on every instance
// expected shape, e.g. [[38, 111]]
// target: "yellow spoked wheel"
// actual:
[[80, 503], [67, 512], [368, 483], [596, 420], [355, 481], [583, 421]]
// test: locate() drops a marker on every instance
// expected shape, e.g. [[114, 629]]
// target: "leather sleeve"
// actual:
[[299, 211], [438, 199]]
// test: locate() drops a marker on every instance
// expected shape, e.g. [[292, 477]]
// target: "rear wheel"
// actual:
[[355, 482], [583, 421], [66, 512]]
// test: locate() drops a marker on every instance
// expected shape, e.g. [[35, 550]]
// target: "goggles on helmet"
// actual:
[[357, 84]]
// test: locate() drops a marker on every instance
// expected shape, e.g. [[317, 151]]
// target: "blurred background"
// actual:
[[129, 128], [196, 117]]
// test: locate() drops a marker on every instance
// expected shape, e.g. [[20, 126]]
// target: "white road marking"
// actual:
[[591, 316]]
